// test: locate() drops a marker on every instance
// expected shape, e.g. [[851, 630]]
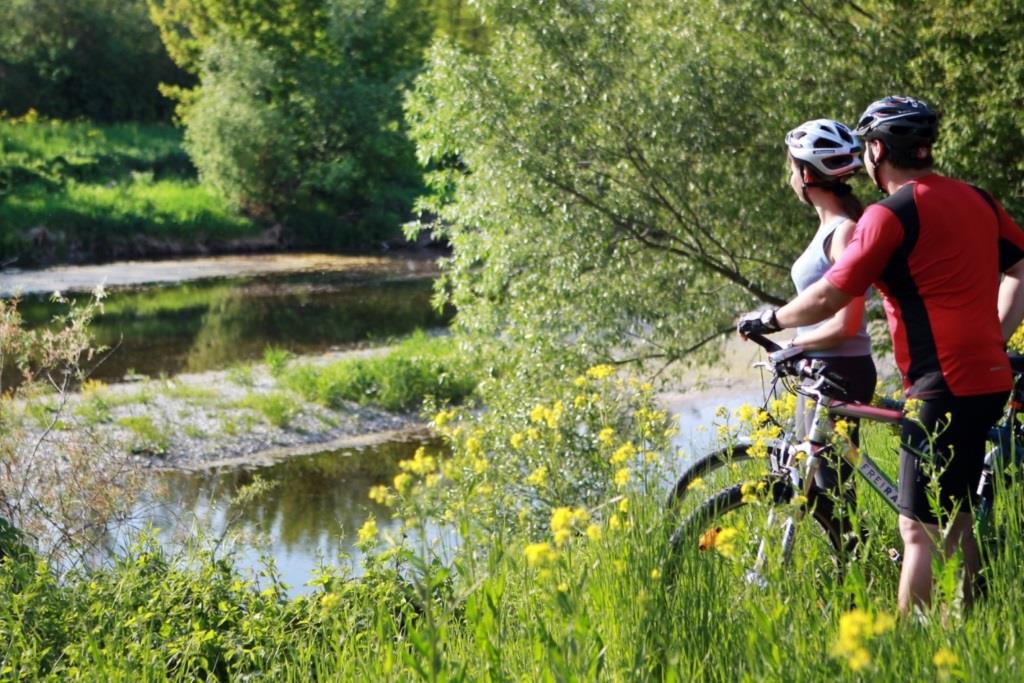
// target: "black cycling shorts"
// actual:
[[956, 453]]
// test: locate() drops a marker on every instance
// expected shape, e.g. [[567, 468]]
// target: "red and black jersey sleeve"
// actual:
[[1011, 237], [879, 233]]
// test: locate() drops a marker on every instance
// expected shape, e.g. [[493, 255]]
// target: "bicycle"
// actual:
[[784, 489]]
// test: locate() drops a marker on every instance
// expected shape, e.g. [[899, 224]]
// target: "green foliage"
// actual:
[[621, 181], [278, 407], [148, 436], [277, 360], [418, 368], [61, 492], [298, 113], [97, 191], [99, 59], [972, 65], [549, 581]]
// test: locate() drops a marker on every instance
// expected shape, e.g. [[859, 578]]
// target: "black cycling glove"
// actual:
[[758, 322]]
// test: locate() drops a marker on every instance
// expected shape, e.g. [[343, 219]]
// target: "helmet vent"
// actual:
[[837, 161]]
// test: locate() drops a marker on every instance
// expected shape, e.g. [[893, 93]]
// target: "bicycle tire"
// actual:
[[704, 466], [716, 512]]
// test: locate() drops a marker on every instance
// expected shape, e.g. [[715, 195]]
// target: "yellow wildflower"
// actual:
[[432, 480], [696, 485], [580, 381], [379, 494], [538, 477], [745, 413], [858, 659], [532, 434], [856, 628], [621, 477], [620, 566], [516, 440], [563, 587], [655, 573], [329, 600], [539, 554], [443, 418], [623, 453], [843, 428], [594, 532], [945, 658], [601, 371], [564, 520], [421, 463], [480, 465], [554, 414], [624, 505], [606, 436], [725, 541], [368, 532], [579, 401], [537, 413], [402, 482], [912, 409], [614, 523], [883, 622], [473, 446]]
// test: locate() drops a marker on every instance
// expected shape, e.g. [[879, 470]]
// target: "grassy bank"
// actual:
[[80, 191], [420, 366], [554, 581]]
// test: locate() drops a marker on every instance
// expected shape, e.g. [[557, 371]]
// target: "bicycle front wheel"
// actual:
[[762, 530], [737, 456]]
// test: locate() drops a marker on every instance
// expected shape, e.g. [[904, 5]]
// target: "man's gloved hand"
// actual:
[[758, 322]]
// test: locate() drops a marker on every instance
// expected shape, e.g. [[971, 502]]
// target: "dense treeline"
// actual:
[[621, 170], [292, 117], [95, 59]]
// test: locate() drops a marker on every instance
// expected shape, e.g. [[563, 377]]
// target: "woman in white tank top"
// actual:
[[822, 156]]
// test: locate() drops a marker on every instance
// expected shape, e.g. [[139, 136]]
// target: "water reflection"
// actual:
[[312, 510], [213, 324]]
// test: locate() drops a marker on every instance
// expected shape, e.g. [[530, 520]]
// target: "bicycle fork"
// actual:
[[803, 485]]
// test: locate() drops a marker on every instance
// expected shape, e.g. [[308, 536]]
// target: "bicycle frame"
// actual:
[[797, 464], [823, 427]]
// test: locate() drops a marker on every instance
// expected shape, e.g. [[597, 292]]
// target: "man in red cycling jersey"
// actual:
[[935, 248]]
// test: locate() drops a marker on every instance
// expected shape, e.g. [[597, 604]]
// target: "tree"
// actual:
[[611, 174], [297, 115], [100, 59]]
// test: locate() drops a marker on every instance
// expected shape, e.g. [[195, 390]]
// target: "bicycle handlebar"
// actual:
[[792, 361]]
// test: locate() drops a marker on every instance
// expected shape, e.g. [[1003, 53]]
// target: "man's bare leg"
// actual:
[[961, 535], [919, 545], [916, 572]]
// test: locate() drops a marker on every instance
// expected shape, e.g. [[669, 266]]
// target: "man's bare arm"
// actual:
[[819, 301], [1011, 299]]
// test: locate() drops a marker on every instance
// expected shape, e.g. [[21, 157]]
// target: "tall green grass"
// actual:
[[588, 592], [420, 366], [102, 189]]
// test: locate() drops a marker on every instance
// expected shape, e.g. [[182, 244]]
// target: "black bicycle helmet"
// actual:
[[899, 122]]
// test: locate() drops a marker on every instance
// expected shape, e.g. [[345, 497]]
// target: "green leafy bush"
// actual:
[[417, 368]]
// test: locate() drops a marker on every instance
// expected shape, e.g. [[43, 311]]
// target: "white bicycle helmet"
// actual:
[[827, 145]]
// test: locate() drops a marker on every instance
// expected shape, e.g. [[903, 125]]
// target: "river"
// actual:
[[164, 318]]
